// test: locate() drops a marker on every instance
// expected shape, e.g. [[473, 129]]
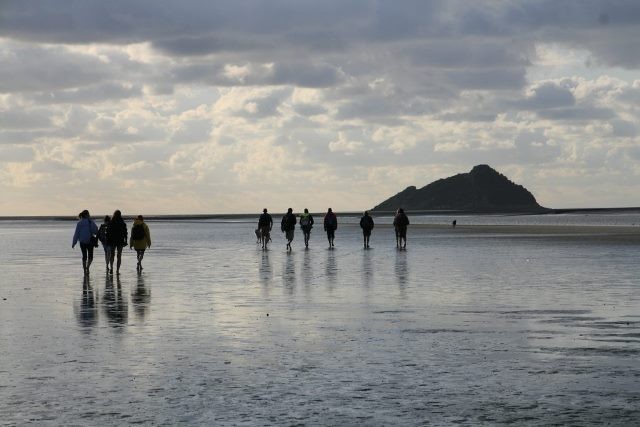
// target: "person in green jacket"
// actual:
[[306, 223], [140, 239]]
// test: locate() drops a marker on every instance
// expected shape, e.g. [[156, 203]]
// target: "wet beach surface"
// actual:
[[465, 326]]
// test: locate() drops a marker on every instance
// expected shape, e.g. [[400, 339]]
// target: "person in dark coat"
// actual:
[[330, 226], [400, 223], [366, 223], [265, 224], [117, 238], [288, 226], [102, 236]]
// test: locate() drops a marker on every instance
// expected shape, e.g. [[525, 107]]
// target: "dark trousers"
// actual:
[[87, 251]]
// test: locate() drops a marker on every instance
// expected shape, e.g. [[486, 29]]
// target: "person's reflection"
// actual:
[[402, 271], [265, 272], [331, 268], [87, 314], [140, 297], [115, 305], [307, 271], [289, 273], [367, 268]]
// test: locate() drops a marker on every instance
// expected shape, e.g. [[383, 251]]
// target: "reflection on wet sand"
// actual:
[[307, 269], [265, 272], [114, 303], [331, 268], [401, 270], [367, 268], [289, 273], [140, 298], [87, 314]]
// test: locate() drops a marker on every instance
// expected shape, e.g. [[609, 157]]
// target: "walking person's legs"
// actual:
[[83, 249], [90, 256], [119, 260]]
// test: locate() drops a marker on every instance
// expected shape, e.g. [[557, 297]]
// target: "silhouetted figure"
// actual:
[[366, 223], [140, 239], [288, 226], [453, 224], [395, 228], [306, 224], [265, 224], [400, 223], [102, 236], [258, 235], [117, 238], [86, 231], [330, 226]]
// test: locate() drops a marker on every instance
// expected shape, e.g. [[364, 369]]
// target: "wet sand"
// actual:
[[473, 325]]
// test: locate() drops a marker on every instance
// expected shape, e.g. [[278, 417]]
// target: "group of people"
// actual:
[[330, 224], [113, 235]]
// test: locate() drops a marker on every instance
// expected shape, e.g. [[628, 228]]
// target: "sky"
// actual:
[[229, 106]]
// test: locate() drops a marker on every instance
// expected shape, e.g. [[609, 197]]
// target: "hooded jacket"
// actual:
[[140, 244], [85, 228]]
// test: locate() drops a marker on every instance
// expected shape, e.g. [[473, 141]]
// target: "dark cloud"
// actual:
[[547, 95], [19, 119], [309, 109], [577, 114], [28, 68], [88, 95]]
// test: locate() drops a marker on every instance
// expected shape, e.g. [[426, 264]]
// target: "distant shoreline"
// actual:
[[224, 217]]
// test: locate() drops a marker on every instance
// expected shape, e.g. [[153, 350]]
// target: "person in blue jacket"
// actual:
[[86, 231]]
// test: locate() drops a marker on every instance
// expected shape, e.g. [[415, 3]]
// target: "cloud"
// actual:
[[207, 99]]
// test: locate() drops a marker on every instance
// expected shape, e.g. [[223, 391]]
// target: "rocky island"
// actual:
[[483, 189]]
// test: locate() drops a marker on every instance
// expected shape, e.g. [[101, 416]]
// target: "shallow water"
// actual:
[[459, 328]]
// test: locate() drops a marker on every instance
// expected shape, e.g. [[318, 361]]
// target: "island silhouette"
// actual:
[[483, 189]]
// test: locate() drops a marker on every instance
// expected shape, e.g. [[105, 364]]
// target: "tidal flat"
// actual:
[[487, 323]]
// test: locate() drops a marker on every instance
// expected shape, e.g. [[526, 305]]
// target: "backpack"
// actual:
[[137, 232], [102, 233]]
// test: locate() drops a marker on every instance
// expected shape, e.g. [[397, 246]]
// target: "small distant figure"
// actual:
[[102, 237], [140, 239], [400, 223], [86, 232], [306, 224], [330, 226], [395, 228], [258, 235], [288, 226], [117, 238], [366, 223], [265, 224], [453, 223]]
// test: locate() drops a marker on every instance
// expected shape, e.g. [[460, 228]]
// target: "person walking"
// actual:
[[330, 226], [288, 226], [401, 222], [265, 224], [366, 223], [117, 239], [306, 224], [395, 228], [140, 239], [86, 231], [102, 237]]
